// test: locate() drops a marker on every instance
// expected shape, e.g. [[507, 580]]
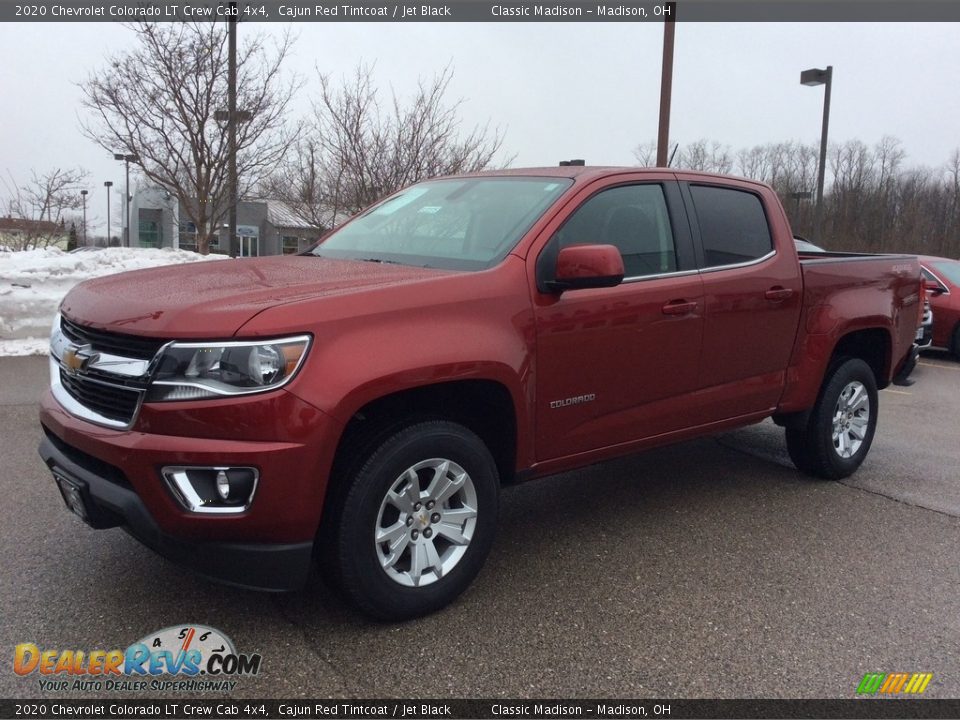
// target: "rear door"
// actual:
[[753, 297], [616, 364]]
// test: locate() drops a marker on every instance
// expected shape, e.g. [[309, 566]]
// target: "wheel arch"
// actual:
[[873, 345], [485, 407]]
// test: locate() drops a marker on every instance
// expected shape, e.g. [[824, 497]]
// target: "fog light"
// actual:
[[222, 490], [223, 484]]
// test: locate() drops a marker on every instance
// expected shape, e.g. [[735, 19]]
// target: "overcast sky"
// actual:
[[559, 90]]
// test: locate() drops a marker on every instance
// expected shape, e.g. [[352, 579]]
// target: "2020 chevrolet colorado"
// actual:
[[363, 402]]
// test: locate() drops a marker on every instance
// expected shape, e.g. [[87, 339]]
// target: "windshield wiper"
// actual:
[[379, 260]]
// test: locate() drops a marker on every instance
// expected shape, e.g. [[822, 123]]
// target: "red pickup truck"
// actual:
[[363, 403]]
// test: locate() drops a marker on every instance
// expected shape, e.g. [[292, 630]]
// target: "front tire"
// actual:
[[840, 430], [418, 521]]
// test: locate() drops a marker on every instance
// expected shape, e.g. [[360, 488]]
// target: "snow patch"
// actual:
[[19, 348], [34, 282]]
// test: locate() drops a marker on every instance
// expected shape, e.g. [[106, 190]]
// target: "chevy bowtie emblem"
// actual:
[[77, 358]]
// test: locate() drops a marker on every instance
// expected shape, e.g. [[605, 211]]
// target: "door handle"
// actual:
[[679, 307], [778, 294]]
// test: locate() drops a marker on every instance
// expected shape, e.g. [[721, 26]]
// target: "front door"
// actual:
[[614, 364], [249, 246]]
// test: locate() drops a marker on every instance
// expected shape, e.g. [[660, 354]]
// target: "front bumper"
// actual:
[[267, 547], [259, 566]]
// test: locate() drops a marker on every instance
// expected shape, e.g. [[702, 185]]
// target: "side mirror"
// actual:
[[935, 290], [587, 266]]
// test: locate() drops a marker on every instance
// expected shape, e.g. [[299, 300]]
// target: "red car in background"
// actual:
[[943, 288]]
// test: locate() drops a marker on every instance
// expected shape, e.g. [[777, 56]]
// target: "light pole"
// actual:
[[83, 194], [108, 184], [127, 159], [812, 78]]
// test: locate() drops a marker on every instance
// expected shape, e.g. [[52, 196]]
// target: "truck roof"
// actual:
[[590, 172]]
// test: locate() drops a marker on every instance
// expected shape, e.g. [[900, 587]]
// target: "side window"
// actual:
[[932, 280], [634, 219], [733, 226]]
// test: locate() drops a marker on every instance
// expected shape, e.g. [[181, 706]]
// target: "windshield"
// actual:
[[460, 224], [949, 270]]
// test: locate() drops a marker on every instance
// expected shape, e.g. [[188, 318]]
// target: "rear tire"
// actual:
[[417, 522], [838, 435], [955, 345]]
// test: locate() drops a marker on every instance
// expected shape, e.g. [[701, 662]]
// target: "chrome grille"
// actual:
[[111, 401], [100, 376], [131, 346]]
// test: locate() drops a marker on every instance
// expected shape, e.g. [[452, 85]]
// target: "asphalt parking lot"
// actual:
[[710, 569]]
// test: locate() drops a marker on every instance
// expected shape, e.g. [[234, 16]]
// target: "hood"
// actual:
[[214, 299]]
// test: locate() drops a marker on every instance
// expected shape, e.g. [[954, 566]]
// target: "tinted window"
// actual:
[[733, 227], [633, 219]]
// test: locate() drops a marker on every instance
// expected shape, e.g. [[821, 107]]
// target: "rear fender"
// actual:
[[868, 338]]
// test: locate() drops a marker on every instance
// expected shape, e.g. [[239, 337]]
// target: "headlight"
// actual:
[[193, 371]]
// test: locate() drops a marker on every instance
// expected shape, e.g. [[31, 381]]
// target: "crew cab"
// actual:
[[364, 402]]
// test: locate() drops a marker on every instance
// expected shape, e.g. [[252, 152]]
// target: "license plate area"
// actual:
[[76, 496]]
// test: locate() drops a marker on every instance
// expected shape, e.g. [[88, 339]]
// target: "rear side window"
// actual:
[[733, 226]]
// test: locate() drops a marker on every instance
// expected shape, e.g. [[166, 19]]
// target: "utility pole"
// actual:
[[666, 83], [231, 116], [232, 123]]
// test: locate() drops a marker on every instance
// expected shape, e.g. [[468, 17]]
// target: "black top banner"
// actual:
[[482, 709], [484, 11]]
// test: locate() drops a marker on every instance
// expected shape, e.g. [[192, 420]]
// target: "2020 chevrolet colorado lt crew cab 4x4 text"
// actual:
[[363, 403]]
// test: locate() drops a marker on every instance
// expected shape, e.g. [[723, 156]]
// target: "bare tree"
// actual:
[[159, 101], [754, 162], [889, 154], [871, 202], [357, 150], [705, 155], [303, 183], [953, 179], [646, 153], [45, 204]]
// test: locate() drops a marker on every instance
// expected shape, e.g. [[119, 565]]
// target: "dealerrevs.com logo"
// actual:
[[187, 658]]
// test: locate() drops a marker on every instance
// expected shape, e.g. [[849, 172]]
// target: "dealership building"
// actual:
[[264, 226]]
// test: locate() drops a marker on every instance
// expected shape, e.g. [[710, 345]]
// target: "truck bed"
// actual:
[[881, 291]]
